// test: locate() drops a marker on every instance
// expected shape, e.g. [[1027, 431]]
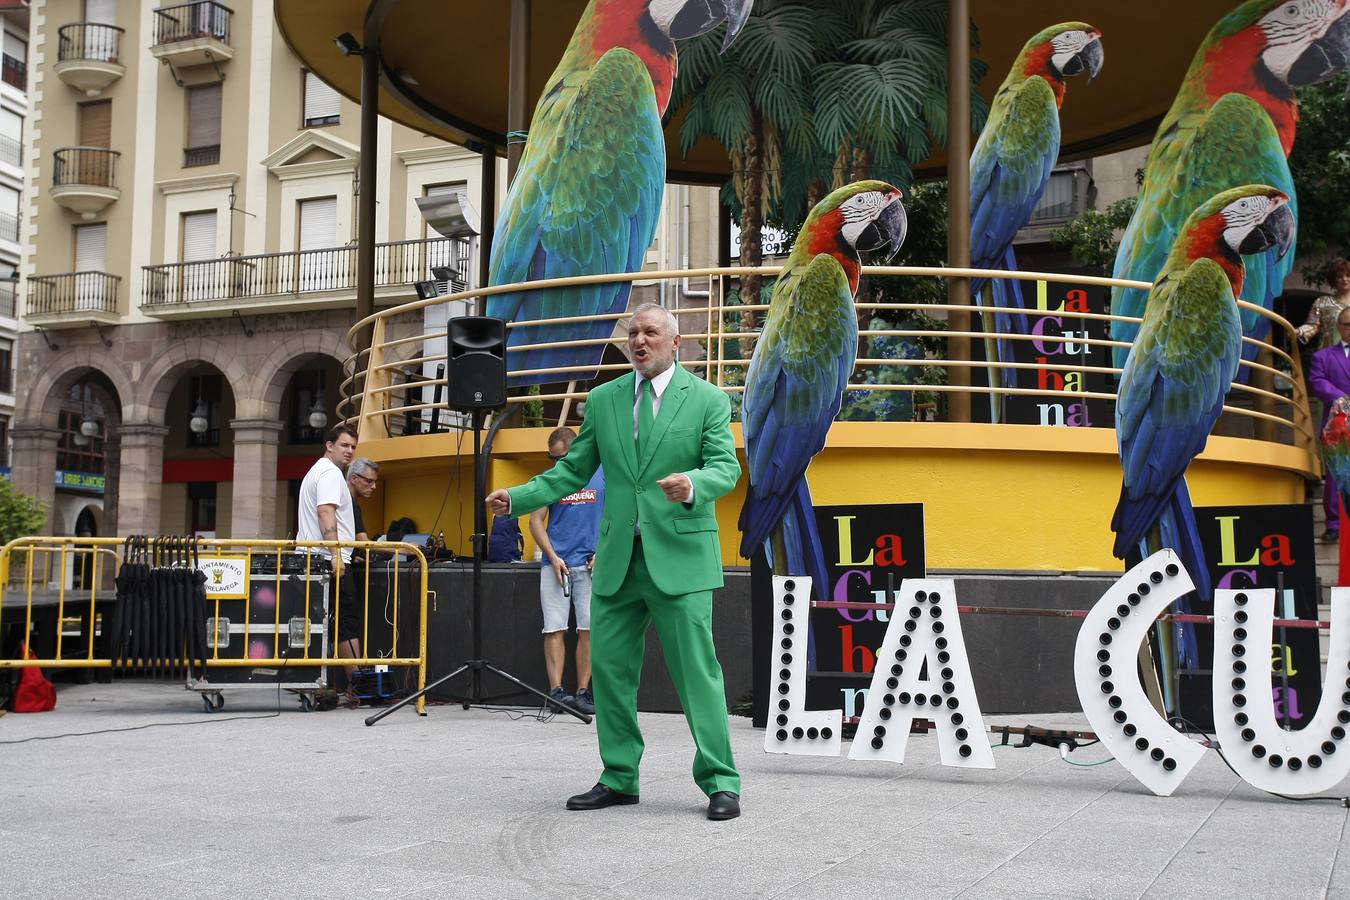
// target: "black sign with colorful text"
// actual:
[[1062, 340], [869, 549], [1258, 547]]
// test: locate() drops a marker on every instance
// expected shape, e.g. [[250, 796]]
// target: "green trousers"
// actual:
[[618, 639]]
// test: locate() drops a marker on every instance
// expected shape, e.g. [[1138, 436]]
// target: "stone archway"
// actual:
[[280, 449], [40, 443]]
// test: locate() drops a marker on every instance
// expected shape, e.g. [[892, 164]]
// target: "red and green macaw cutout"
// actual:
[[1176, 376], [1014, 155], [1232, 123], [587, 196], [1336, 449], [801, 365]]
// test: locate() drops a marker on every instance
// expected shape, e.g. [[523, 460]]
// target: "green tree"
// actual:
[[1094, 236], [814, 94], [1320, 163], [20, 514]]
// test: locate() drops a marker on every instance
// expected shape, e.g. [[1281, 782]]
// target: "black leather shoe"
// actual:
[[599, 797], [1330, 537], [724, 805]]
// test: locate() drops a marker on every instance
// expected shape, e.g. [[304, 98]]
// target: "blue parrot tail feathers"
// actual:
[[806, 555], [1133, 519], [1179, 532], [801, 542], [1008, 293]]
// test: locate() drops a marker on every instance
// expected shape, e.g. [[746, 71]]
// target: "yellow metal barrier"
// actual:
[[74, 580]]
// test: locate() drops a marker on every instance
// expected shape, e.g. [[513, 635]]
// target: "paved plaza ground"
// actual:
[[470, 804]]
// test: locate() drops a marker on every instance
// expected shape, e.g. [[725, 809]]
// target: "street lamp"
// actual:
[[317, 417], [89, 428], [199, 423]]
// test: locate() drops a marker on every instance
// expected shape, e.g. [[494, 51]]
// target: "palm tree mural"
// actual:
[[814, 94]]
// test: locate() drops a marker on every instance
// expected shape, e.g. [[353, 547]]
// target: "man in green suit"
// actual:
[[664, 438]]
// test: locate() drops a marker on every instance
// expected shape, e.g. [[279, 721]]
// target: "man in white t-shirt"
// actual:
[[325, 514]]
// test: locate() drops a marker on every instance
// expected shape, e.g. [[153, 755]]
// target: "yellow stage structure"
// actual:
[[997, 497]]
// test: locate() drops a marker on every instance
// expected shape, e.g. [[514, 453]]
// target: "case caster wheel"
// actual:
[[213, 702], [306, 703]]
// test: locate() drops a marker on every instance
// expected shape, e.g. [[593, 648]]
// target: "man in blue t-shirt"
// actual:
[[568, 548]]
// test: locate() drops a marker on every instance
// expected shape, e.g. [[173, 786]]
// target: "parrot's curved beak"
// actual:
[[700, 16], [886, 232], [1089, 60], [1324, 57], [1276, 230], [738, 11]]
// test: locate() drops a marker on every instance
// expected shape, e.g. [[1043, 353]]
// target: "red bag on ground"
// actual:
[[35, 693]]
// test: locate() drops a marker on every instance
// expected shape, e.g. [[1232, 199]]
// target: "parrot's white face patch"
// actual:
[[1068, 44], [1241, 216], [859, 211], [1291, 27], [663, 12]]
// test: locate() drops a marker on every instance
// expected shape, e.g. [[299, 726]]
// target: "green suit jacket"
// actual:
[[691, 434]]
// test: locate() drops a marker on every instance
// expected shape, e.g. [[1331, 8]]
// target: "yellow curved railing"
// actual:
[[372, 399]]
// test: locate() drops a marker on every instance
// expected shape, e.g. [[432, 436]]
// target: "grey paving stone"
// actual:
[[470, 804]]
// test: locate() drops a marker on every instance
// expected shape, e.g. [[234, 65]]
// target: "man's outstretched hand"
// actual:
[[498, 502]]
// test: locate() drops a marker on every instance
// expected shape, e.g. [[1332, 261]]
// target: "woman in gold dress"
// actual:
[[1321, 326], [1321, 322]]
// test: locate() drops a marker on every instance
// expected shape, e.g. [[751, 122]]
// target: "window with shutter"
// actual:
[[198, 282], [323, 105], [319, 261], [199, 236], [203, 129], [91, 247], [91, 259], [95, 124], [102, 12]]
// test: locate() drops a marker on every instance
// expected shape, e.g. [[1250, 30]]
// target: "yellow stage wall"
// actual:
[[998, 497]]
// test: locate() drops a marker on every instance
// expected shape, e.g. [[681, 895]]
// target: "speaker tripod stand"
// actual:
[[475, 666]]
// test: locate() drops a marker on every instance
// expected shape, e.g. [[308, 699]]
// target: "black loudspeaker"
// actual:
[[475, 372]]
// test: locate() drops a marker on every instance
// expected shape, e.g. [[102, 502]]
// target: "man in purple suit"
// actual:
[[1329, 379]]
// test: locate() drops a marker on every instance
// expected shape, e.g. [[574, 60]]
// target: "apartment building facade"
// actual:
[[13, 116], [189, 276]]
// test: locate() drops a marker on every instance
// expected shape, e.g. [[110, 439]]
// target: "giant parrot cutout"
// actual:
[[587, 196], [1017, 149], [1232, 123], [1336, 450], [1174, 382], [802, 361]]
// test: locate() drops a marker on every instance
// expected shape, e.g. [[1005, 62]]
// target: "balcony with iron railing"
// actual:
[[192, 34], [9, 226], [207, 155], [84, 179], [72, 299], [89, 56], [929, 414], [9, 293], [14, 71], [289, 281], [11, 151]]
